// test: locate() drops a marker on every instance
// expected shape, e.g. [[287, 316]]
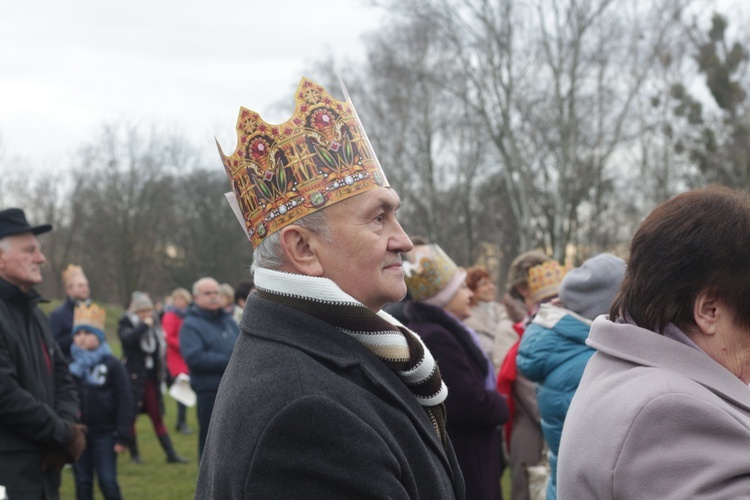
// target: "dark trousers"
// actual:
[[205, 408], [99, 457], [181, 414], [21, 474]]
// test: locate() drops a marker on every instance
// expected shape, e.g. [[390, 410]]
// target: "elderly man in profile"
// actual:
[[207, 337], [61, 319], [38, 401], [326, 396]]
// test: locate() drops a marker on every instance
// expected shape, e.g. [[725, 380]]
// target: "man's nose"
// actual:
[[400, 242]]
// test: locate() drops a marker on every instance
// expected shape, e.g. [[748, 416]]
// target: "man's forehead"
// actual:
[[208, 284], [23, 239], [384, 197]]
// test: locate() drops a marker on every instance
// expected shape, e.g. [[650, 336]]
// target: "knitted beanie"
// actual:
[[139, 301], [90, 329], [589, 290]]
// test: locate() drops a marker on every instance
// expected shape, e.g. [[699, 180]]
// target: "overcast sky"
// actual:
[[68, 66]]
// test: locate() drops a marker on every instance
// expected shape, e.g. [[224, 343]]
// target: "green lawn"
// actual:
[[154, 478]]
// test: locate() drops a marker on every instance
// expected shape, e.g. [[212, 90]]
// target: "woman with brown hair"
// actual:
[[663, 409], [488, 317]]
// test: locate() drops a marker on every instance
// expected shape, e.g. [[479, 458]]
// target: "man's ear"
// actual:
[[706, 310], [299, 245]]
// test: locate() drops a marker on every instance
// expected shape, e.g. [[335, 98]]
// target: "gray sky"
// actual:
[[68, 66]]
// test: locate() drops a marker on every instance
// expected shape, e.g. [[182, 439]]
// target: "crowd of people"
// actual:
[[364, 363], [67, 399]]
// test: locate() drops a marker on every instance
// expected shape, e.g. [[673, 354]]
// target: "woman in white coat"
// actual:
[[663, 409]]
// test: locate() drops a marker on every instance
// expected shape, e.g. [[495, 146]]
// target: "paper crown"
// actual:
[[427, 271], [91, 316], [70, 272], [544, 280], [281, 173]]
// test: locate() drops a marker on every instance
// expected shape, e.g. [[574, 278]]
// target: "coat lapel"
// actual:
[[322, 341]]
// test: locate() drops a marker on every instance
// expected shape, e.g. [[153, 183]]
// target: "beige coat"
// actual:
[[494, 329], [654, 418]]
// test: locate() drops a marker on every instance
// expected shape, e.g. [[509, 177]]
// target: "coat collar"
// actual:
[[12, 292], [213, 316], [644, 347], [262, 318]]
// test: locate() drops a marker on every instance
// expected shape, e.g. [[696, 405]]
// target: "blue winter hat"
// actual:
[[90, 329], [589, 290]]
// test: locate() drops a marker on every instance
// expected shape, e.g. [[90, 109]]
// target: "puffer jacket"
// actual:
[[553, 354], [207, 339]]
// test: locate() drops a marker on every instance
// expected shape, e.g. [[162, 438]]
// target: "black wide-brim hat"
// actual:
[[13, 221]]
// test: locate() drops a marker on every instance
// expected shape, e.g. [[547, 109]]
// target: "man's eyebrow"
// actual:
[[386, 204]]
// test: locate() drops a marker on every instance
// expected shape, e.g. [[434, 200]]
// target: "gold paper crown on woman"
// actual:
[[427, 271], [89, 315], [281, 173], [544, 280]]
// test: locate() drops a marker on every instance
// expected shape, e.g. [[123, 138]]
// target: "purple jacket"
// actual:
[[475, 413]]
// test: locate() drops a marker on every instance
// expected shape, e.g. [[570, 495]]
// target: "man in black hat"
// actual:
[[38, 402]]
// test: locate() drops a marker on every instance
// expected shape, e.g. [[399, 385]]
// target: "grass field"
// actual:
[[154, 478]]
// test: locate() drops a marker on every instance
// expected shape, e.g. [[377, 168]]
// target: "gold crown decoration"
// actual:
[[71, 272], [544, 280], [89, 315], [281, 173], [427, 271]]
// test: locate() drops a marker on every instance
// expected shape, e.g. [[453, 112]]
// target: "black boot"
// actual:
[[183, 428], [135, 455], [172, 456]]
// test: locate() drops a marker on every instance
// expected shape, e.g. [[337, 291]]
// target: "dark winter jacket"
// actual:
[[61, 324], [131, 331], [306, 411], [37, 394], [107, 408], [206, 342], [475, 413]]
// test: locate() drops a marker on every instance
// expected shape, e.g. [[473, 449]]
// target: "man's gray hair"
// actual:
[[269, 254], [197, 284], [5, 245]]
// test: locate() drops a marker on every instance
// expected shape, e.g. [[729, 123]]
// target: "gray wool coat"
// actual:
[[305, 411], [654, 418]]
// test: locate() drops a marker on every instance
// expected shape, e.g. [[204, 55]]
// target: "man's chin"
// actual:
[[399, 295]]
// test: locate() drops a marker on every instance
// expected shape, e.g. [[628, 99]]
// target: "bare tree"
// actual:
[[125, 182], [554, 84]]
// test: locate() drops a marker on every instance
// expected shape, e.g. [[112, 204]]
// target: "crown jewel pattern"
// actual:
[[428, 271], [320, 156], [89, 315], [544, 280]]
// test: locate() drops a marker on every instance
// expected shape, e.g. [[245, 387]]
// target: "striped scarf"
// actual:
[[394, 344]]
